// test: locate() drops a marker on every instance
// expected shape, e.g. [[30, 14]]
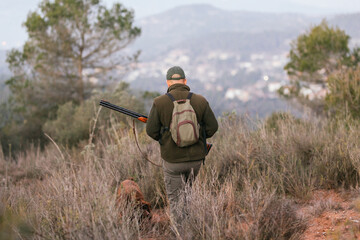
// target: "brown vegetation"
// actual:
[[255, 184]]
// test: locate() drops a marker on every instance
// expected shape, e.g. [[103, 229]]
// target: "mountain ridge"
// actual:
[[190, 21], [226, 54]]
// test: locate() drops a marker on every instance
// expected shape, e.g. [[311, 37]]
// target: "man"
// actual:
[[181, 164]]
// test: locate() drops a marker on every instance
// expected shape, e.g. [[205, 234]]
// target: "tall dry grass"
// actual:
[[247, 189]]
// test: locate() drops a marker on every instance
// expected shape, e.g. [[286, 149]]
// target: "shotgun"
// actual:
[[125, 111], [136, 115]]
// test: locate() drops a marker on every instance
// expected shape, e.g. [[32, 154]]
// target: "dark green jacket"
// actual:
[[160, 117]]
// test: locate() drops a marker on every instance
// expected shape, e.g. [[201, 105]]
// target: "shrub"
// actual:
[[344, 93], [13, 225], [278, 220], [73, 122]]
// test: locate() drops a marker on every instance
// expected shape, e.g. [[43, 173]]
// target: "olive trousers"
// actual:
[[176, 177]]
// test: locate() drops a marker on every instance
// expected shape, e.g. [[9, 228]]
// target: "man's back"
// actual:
[[160, 118]]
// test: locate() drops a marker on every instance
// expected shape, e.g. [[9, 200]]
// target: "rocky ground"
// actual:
[[332, 215]]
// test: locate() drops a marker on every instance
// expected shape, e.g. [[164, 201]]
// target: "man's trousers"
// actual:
[[176, 176]]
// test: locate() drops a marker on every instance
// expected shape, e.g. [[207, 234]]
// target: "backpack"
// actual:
[[184, 126]]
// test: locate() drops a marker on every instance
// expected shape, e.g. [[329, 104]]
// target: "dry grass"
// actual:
[[246, 190]]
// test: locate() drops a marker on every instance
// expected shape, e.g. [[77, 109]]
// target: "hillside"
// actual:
[[277, 177], [349, 23], [184, 23], [239, 42], [283, 178], [192, 21], [224, 52]]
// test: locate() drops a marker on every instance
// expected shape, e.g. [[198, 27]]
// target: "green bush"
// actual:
[[14, 225], [313, 58], [71, 124], [273, 122], [74, 122]]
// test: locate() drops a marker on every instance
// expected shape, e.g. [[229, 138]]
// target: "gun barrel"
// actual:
[[121, 109], [118, 110]]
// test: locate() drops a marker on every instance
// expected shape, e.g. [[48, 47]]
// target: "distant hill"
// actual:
[[221, 50], [244, 43], [190, 23], [349, 23], [193, 21], [225, 51]]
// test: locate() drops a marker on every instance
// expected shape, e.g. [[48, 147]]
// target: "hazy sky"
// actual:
[[14, 12]]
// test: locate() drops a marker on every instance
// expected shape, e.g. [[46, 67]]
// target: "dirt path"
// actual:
[[332, 215]]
